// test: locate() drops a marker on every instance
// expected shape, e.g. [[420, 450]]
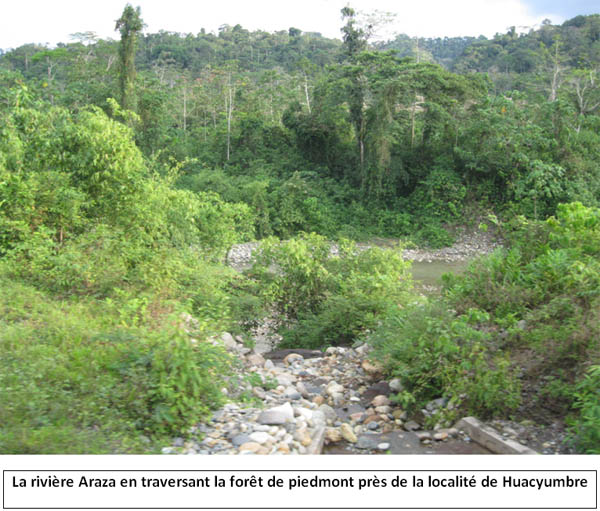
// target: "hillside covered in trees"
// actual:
[[129, 168]]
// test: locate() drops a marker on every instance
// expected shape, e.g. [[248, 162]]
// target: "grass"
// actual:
[[76, 379]]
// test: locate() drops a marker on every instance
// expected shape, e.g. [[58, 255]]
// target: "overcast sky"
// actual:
[[51, 21]]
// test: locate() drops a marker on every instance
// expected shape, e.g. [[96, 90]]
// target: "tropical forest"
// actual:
[[252, 242]]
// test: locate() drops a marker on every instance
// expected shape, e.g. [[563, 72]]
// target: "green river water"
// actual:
[[429, 274]]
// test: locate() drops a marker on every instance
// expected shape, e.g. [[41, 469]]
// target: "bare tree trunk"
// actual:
[[412, 123], [418, 51], [184, 108], [229, 109], [306, 93], [111, 59], [205, 123], [555, 77]]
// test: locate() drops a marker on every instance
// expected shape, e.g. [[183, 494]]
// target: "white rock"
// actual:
[[334, 388], [228, 341], [305, 412], [277, 415], [261, 437]]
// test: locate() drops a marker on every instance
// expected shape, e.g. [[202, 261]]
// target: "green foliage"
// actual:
[[434, 236], [544, 294], [304, 134], [585, 429], [440, 195], [106, 256], [436, 353], [329, 298], [87, 376]]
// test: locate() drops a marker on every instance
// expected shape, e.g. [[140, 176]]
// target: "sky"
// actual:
[[52, 21]]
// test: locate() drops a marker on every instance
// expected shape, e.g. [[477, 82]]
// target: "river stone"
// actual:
[[347, 433], [283, 448], [239, 440], [250, 447], [367, 442], [373, 369], [291, 358], [228, 341], [333, 435], [357, 417], [277, 415], [411, 426], [292, 393], [304, 412], [303, 437], [396, 385], [318, 418], [269, 364], [260, 437], [259, 393], [384, 446], [380, 400], [436, 404], [380, 388], [362, 349], [285, 379], [334, 388], [423, 435], [371, 418], [337, 398], [383, 409], [328, 412], [399, 414], [255, 359], [302, 389]]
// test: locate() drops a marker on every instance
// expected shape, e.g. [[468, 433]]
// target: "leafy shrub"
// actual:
[[92, 376], [585, 428], [438, 354], [434, 236], [544, 292], [329, 298], [440, 195]]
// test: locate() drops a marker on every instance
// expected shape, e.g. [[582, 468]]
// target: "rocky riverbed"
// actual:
[[336, 402], [302, 402]]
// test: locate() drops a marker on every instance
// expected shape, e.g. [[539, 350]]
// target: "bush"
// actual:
[[329, 298], [438, 354], [434, 236], [544, 294], [585, 428], [92, 376]]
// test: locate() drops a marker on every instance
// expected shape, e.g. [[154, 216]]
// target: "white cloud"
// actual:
[[52, 21]]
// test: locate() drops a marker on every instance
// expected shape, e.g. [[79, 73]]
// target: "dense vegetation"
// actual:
[[128, 169]]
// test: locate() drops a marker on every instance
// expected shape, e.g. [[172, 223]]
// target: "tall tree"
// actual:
[[130, 24], [354, 44]]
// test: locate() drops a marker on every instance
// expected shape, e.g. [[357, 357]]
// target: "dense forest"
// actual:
[[129, 167]]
